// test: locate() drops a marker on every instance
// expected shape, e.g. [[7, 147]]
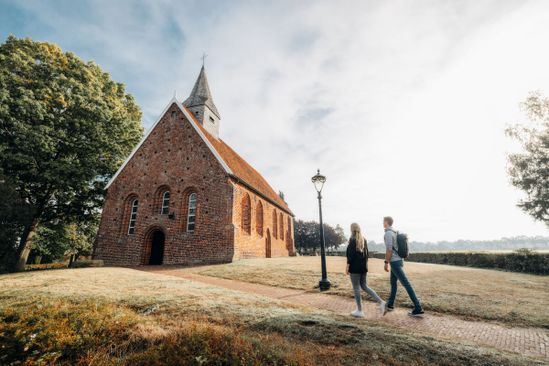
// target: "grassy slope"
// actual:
[[106, 316], [512, 298]]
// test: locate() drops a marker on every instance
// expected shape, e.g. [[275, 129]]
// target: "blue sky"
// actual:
[[403, 105]]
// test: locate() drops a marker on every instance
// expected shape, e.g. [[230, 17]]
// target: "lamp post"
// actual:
[[318, 180]]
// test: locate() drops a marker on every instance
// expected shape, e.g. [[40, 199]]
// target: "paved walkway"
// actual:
[[526, 341]]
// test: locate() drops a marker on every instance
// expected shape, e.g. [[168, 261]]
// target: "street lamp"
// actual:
[[318, 180]]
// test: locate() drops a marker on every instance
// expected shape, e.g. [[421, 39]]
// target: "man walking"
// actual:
[[397, 269]]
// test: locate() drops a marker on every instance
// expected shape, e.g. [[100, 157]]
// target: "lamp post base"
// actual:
[[324, 284]]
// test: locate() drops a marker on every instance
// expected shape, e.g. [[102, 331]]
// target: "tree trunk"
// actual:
[[25, 246]]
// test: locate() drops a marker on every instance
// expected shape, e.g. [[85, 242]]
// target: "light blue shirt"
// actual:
[[391, 244]]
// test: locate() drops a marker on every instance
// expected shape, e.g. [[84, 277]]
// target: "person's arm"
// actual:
[[350, 254], [388, 238]]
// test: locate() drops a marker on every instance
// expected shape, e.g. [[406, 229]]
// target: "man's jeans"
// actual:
[[397, 274]]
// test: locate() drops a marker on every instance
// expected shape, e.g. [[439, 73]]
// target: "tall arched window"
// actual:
[[281, 222], [191, 213], [165, 208], [275, 225], [289, 228], [133, 216], [259, 218], [246, 214]]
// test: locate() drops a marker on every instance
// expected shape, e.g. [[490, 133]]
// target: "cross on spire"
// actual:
[[203, 58]]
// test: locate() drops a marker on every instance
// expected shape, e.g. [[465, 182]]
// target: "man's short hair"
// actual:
[[389, 220]]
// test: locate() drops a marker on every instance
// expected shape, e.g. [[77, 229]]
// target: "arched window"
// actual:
[[133, 216], [281, 222], [246, 214], [165, 208], [259, 218], [191, 213], [275, 225], [289, 228]]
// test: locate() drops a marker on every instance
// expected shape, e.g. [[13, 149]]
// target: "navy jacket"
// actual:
[[358, 261]]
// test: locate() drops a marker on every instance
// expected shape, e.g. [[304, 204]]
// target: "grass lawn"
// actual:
[[105, 316], [512, 298]]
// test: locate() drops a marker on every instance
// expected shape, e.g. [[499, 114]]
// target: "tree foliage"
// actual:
[[55, 241], [65, 127], [529, 169], [307, 236]]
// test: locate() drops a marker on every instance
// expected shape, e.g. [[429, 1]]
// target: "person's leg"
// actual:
[[394, 283], [401, 275], [369, 291], [355, 281]]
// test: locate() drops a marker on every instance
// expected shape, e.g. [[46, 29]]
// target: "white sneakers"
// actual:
[[383, 308], [357, 314]]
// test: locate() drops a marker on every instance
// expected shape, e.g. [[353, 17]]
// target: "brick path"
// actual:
[[526, 341]]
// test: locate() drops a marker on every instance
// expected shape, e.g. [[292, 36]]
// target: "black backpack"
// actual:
[[402, 245]]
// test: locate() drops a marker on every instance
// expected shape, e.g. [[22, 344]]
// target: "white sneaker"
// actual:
[[357, 314], [383, 308]]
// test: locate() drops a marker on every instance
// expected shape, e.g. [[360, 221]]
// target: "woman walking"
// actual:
[[357, 268]]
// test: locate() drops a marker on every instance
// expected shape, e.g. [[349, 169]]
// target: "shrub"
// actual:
[[87, 263], [39, 267], [522, 260]]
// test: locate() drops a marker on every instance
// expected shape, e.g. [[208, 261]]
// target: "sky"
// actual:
[[401, 104]]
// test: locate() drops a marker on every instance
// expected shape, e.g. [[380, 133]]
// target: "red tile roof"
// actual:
[[243, 171]]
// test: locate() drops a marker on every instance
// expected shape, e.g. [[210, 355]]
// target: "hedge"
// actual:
[[87, 263], [520, 261]]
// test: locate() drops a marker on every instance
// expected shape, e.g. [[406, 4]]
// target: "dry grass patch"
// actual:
[[105, 316], [512, 298]]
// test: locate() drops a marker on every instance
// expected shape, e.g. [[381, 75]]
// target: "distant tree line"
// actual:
[[513, 243], [307, 237]]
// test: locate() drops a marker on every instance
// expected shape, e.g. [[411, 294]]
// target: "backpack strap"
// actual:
[[396, 240]]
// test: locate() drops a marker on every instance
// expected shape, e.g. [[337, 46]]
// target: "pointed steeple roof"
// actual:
[[201, 95]]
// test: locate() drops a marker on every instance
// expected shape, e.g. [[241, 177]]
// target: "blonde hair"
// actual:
[[356, 233]]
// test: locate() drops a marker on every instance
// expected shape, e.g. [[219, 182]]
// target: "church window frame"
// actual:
[[133, 216], [275, 224], [259, 218], [165, 206], [281, 223], [246, 214], [192, 203]]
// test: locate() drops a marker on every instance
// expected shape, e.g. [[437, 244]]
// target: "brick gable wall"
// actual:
[[173, 157]]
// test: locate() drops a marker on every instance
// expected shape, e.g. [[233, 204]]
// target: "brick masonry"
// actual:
[[174, 158]]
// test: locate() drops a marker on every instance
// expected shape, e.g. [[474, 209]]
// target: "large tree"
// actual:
[[65, 127], [529, 169], [307, 236]]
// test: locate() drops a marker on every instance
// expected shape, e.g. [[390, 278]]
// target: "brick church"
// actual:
[[183, 196]]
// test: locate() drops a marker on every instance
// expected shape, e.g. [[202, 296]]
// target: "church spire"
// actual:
[[201, 95], [201, 104]]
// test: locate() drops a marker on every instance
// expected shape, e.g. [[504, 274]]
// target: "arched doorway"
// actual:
[[268, 244], [157, 247]]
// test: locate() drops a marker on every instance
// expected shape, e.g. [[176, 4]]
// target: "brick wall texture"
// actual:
[[174, 158]]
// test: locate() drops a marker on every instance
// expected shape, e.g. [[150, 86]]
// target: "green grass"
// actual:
[[105, 316], [511, 298]]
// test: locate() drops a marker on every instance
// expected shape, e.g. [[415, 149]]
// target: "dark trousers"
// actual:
[[397, 274]]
